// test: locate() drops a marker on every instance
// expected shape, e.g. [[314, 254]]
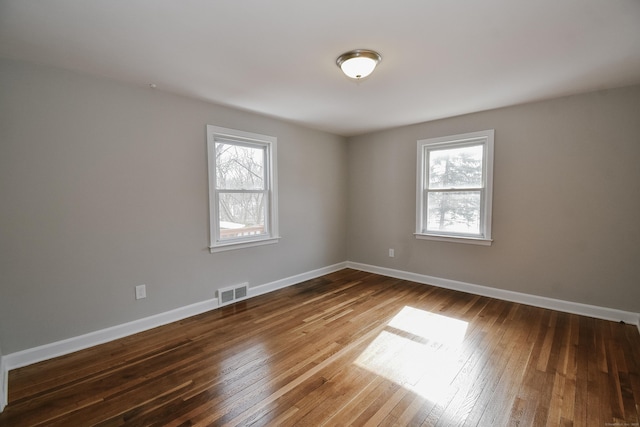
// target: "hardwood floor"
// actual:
[[349, 348]]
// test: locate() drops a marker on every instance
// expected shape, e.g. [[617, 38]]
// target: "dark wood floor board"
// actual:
[[471, 400], [355, 404], [630, 346], [348, 348], [415, 412], [76, 368], [454, 407], [327, 399], [502, 339], [317, 371], [580, 414], [556, 366], [253, 384], [544, 374], [552, 392], [114, 409], [374, 400], [474, 356], [507, 378], [383, 415], [277, 416], [632, 394], [558, 393], [394, 416], [615, 370], [621, 353], [595, 395], [305, 396]]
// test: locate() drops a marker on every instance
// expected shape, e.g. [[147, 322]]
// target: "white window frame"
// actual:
[[217, 133], [484, 138]]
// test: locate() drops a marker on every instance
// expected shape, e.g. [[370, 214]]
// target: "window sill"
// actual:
[[243, 244], [455, 239]]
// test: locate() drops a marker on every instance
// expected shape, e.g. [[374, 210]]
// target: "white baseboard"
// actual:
[[59, 348], [70, 345], [298, 278], [534, 300]]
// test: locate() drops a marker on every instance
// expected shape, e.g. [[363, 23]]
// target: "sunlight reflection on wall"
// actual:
[[418, 350]]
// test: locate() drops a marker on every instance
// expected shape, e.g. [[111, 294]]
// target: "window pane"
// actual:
[[239, 167], [459, 167], [457, 212], [241, 214]]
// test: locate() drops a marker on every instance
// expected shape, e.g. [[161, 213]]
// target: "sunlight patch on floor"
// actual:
[[418, 350]]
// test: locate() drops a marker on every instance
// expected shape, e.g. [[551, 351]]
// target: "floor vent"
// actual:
[[233, 294]]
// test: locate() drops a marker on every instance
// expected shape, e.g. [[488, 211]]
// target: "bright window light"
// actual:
[[418, 350]]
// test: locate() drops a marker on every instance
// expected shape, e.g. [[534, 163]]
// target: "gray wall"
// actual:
[[103, 186], [566, 211]]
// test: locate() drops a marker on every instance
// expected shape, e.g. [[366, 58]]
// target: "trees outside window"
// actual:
[[454, 188], [241, 188]]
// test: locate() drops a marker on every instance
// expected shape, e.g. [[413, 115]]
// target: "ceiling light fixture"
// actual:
[[358, 63]]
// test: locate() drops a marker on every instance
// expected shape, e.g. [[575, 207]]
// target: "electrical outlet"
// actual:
[[141, 291], [392, 253]]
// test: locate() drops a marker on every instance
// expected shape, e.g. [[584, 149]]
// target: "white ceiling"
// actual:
[[441, 58]]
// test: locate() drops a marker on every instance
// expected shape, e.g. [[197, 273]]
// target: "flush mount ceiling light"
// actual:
[[358, 63]]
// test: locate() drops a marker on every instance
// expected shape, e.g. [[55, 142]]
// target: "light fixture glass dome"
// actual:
[[358, 63]]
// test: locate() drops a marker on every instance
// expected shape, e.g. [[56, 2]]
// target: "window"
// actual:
[[454, 188], [242, 189]]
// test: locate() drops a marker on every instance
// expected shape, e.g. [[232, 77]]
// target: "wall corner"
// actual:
[[4, 383]]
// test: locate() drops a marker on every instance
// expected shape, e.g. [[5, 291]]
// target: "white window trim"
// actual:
[[215, 244], [488, 141]]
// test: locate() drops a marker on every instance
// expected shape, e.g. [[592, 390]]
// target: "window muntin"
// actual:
[[455, 188], [242, 188]]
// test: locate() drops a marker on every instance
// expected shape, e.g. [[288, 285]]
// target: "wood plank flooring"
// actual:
[[349, 348]]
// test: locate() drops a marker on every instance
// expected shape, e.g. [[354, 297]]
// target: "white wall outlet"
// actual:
[[392, 253], [141, 291]]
